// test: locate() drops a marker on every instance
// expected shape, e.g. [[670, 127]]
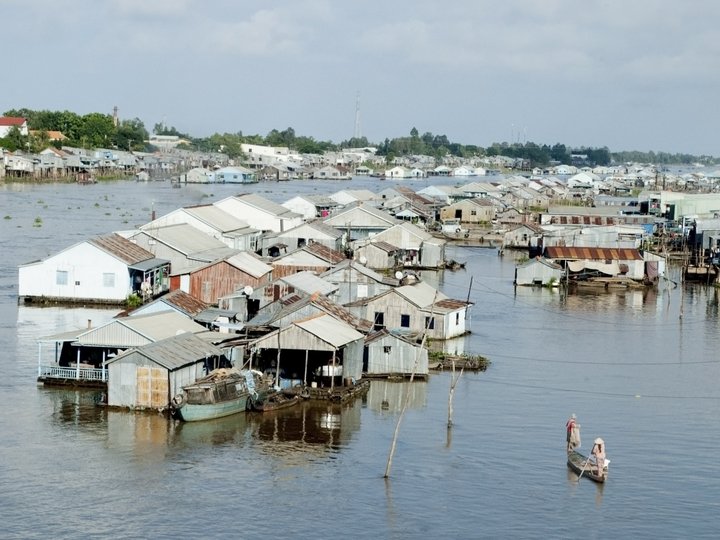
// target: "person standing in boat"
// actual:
[[598, 452], [573, 433]]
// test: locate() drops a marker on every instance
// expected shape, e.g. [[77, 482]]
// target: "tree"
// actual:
[[14, 140], [39, 141], [96, 130], [130, 134]]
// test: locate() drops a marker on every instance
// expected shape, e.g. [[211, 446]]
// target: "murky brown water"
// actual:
[[633, 371]]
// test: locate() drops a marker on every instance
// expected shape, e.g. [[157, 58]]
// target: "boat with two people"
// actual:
[[220, 393]]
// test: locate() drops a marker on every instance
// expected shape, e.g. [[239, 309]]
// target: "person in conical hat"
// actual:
[[598, 452]]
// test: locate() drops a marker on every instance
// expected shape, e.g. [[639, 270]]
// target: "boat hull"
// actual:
[[580, 465], [190, 412], [275, 401]]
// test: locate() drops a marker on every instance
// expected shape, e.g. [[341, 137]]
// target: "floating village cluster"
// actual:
[[320, 293]]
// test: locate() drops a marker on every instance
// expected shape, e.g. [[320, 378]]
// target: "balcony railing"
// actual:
[[72, 373]]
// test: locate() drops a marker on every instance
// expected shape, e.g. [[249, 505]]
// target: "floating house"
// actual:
[[539, 271], [264, 214], [219, 278], [147, 377], [391, 355], [233, 231], [103, 270], [599, 261], [320, 351], [79, 357], [414, 309]]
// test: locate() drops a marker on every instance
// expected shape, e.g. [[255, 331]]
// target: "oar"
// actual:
[[583, 469]]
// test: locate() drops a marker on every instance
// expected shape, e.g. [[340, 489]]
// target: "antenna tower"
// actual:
[[357, 133]]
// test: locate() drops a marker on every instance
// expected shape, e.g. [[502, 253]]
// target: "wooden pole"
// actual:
[[453, 383], [407, 394], [277, 367], [332, 375], [306, 366]]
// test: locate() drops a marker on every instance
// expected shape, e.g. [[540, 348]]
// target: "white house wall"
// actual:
[[86, 268], [257, 218], [301, 206], [401, 358], [453, 325]]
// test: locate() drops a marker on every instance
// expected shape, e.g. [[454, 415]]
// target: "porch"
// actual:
[[77, 375]]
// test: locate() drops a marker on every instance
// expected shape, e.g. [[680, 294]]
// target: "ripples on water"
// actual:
[[634, 370]]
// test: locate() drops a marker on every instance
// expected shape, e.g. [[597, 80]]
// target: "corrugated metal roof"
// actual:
[[139, 330], [330, 330], [292, 303], [362, 269], [249, 264], [185, 238], [450, 305], [309, 283], [353, 215], [327, 254], [182, 301], [319, 226], [121, 248], [593, 253], [149, 264], [217, 218], [268, 206], [421, 294], [174, 352], [385, 246]]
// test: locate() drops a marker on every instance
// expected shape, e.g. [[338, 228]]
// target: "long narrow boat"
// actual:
[[583, 466], [221, 393], [273, 401]]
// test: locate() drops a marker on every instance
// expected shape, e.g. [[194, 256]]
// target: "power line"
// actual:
[[591, 392]]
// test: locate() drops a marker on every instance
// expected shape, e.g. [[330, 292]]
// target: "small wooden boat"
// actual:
[[275, 400], [583, 466], [221, 393]]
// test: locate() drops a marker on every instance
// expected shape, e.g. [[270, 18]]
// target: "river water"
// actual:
[[640, 369]]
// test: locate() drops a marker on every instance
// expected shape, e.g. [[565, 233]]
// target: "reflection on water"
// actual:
[[388, 396], [307, 427], [77, 407]]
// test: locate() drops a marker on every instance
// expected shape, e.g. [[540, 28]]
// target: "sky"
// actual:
[[625, 74]]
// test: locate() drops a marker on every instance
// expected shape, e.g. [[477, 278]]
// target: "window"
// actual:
[[108, 279], [61, 277], [387, 349], [457, 318], [405, 321], [430, 323], [379, 319]]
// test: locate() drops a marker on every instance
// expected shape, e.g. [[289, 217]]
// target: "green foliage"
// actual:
[[14, 140], [130, 135], [97, 130], [133, 301], [38, 222]]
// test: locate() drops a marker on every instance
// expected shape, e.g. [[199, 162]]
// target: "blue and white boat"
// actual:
[[221, 393]]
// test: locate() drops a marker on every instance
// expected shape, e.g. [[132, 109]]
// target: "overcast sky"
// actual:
[[626, 74]]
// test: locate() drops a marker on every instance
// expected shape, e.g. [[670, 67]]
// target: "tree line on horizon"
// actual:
[[97, 130]]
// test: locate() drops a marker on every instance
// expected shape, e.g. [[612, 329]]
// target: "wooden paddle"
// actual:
[[583, 469]]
